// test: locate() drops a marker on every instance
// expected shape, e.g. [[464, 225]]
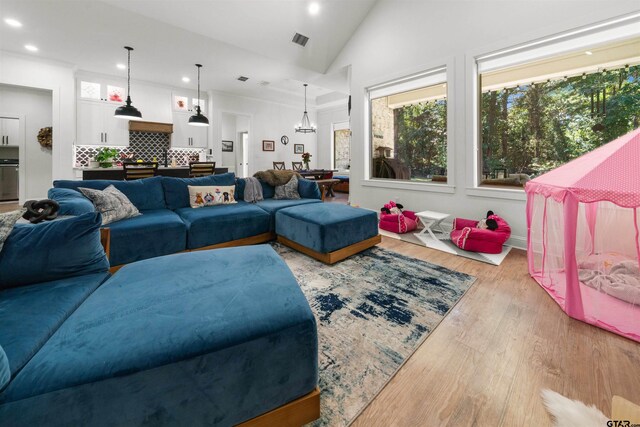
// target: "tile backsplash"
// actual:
[[144, 146]]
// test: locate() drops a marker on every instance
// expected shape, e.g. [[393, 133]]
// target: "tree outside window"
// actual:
[[535, 127]]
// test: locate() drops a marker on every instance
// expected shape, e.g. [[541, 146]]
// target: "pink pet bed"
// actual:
[[399, 223], [467, 236]]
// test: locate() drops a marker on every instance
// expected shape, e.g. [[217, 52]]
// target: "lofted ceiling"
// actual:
[[229, 37]]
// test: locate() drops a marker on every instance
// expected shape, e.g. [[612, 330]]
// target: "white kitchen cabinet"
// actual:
[[9, 132], [98, 126], [187, 136]]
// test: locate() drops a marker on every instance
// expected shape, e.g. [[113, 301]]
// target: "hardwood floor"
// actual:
[[8, 207], [486, 363], [488, 360]]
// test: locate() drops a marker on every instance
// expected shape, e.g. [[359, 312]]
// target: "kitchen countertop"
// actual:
[[120, 168]]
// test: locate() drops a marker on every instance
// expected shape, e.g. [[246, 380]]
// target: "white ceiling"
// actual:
[[229, 37]]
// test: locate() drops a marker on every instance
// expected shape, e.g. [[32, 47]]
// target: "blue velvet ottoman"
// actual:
[[327, 232]]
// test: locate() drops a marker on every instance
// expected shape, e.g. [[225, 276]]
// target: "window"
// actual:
[[341, 146], [409, 129], [541, 114]]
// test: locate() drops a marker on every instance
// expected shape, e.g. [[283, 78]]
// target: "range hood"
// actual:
[[154, 127]]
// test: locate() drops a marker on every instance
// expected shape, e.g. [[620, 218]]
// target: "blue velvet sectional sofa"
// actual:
[[169, 225], [199, 338]]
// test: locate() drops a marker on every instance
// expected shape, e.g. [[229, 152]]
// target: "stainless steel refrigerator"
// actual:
[[9, 179]]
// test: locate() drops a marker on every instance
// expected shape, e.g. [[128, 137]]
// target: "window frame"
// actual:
[[602, 33], [448, 68]]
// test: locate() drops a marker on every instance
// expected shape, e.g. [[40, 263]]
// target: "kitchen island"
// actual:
[[117, 172]]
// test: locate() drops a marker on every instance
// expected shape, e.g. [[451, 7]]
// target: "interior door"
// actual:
[[90, 129]]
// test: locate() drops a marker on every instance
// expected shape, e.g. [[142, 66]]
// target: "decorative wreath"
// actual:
[[45, 137]]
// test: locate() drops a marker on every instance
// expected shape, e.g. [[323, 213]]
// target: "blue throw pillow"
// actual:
[[176, 190], [268, 191], [71, 202], [240, 184], [5, 370], [145, 194], [36, 253], [308, 189]]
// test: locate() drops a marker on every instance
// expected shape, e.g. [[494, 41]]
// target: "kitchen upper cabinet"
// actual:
[[9, 132], [154, 103], [187, 136], [98, 126]]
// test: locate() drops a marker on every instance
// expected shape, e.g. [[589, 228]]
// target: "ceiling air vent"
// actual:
[[300, 39], [243, 78]]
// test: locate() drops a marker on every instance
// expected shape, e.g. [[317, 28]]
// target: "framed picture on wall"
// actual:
[[180, 103], [268, 145], [227, 146], [298, 148]]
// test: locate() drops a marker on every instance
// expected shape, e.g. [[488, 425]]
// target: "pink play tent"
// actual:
[[583, 235]]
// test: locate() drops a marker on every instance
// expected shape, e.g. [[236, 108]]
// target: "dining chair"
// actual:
[[297, 166], [197, 169], [139, 170], [278, 166]]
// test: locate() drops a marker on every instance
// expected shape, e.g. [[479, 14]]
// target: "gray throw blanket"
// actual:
[[276, 178], [252, 190]]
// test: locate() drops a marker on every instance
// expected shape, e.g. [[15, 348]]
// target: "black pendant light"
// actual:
[[198, 119], [128, 111], [305, 125]]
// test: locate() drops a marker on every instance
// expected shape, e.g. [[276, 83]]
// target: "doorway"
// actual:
[[235, 132]]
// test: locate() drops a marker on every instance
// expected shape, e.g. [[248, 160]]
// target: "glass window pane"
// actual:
[[341, 149], [89, 90], [538, 116], [409, 135], [115, 94]]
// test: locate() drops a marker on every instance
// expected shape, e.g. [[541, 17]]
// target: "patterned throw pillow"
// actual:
[[7, 221], [111, 203], [288, 191], [211, 195]]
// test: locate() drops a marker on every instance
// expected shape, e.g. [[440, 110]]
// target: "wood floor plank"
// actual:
[[487, 361]]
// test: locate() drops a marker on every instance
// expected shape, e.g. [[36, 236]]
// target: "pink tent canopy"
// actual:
[[611, 172], [584, 235]]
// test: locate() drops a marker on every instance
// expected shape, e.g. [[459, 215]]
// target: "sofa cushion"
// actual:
[[7, 222], [176, 191], [36, 253], [29, 315], [176, 340], [308, 189], [268, 191], [71, 201], [326, 227], [211, 195], [5, 370], [273, 205], [288, 191], [154, 233], [111, 203], [145, 193], [219, 224]]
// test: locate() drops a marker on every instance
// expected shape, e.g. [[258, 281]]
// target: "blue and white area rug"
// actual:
[[373, 310]]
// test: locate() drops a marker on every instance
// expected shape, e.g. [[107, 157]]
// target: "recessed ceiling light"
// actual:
[[314, 8], [30, 48], [121, 66], [589, 52], [186, 79], [13, 22]]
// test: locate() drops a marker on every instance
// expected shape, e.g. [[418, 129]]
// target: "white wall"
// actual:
[[35, 106], [401, 38], [326, 118], [58, 78], [269, 121], [229, 133]]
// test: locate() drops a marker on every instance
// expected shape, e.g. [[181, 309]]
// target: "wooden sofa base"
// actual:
[[252, 240], [335, 256], [293, 414]]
